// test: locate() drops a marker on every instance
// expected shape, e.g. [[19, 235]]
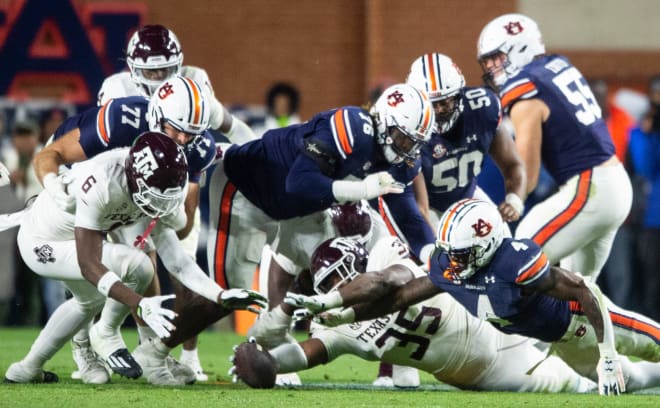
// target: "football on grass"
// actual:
[[255, 366]]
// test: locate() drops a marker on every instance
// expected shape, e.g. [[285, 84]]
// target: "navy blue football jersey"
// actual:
[[494, 292], [289, 171], [575, 136], [119, 121], [452, 161]]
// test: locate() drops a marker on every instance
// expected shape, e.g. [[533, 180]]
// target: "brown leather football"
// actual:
[[255, 366]]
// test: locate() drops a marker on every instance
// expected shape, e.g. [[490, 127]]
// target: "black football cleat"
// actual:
[[123, 363]]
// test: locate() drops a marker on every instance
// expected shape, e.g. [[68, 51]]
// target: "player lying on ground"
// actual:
[[509, 283]]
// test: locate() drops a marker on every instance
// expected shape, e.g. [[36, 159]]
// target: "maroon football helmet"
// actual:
[[153, 55], [157, 174], [336, 261], [352, 220]]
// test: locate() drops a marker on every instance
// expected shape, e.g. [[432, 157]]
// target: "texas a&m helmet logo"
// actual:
[[144, 162], [482, 228]]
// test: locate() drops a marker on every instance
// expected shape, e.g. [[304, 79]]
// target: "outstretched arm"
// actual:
[[504, 153]]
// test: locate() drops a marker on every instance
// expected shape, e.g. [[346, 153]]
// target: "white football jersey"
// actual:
[[436, 335], [120, 85], [103, 202]]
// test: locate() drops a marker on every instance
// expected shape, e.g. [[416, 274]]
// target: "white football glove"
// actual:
[[610, 374], [335, 317], [381, 183], [271, 328], [4, 175], [242, 299], [315, 304], [57, 189], [150, 310]]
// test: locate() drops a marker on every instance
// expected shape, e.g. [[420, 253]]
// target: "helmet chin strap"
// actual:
[[141, 240]]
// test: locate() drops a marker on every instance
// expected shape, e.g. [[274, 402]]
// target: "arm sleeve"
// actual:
[[305, 179], [183, 267]]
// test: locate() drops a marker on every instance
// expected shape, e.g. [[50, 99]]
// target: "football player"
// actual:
[[467, 128], [358, 221], [510, 283], [557, 122], [143, 185], [290, 175], [437, 335], [178, 108], [303, 169], [153, 55]]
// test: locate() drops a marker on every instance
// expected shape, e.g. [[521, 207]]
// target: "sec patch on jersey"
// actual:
[[255, 366]]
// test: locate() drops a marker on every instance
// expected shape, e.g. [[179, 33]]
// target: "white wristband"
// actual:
[[105, 283], [606, 350], [516, 202]]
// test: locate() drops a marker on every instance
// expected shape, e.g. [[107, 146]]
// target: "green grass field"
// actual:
[[343, 383]]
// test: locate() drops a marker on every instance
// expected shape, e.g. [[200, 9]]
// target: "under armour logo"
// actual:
[[514, 28], [489, 279], [472, 138], [165, 90], [482, 228], [144, 162], [394, 98], [44, 253]]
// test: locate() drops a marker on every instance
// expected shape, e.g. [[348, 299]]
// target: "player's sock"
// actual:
[[62, 324], [112, 316], [145, 333]]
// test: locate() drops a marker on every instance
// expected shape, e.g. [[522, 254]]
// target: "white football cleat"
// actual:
[[385, 382], [154, 365], [91, 369], [112, 349], [196, 367], [405, 377], [181, 371], [286, 380], [20, 373]]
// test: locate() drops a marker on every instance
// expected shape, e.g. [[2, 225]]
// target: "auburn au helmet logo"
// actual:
[[482, 228]]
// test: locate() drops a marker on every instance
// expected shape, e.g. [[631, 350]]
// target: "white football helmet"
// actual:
[[182, 103], [153, 55], [442, 80], [470, 232], [516, 36], [404, 121]]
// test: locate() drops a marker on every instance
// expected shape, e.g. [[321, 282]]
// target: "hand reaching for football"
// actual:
[[253, 365]]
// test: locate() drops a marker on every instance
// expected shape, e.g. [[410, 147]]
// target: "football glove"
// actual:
[[610, 375], [271, 328], [150, 310], [242, 299], [57, 189], [315, 304], [335, 317], [381, 183]]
